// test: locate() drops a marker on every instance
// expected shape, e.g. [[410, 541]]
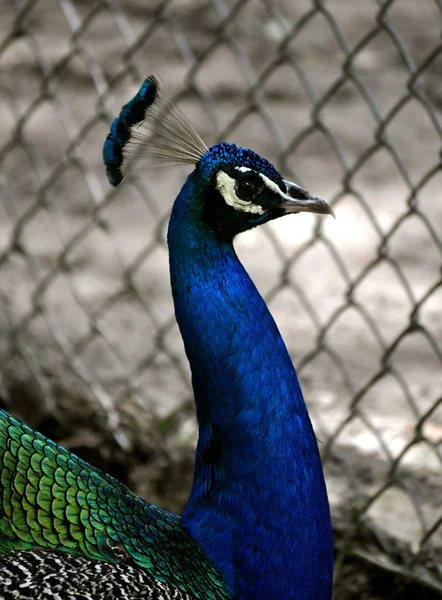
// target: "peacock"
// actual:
[[257, 523]]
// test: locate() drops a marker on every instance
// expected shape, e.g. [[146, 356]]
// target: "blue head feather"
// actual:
[[229, 155], [132, 113], [150, 126]]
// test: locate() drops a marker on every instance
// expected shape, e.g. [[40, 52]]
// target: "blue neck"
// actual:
[[258, 506]]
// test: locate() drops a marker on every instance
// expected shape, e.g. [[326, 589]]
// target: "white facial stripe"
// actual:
[[272, 186], [226, 187]]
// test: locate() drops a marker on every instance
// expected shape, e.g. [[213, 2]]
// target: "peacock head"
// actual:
[[238, 189], [243, 190]]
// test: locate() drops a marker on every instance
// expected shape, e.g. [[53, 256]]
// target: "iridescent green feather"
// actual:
[[52, 500]]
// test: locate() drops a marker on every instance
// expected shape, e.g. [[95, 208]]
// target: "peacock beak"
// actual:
[[298, 199]]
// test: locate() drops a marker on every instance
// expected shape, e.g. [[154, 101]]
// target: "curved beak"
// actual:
[[297, 199]]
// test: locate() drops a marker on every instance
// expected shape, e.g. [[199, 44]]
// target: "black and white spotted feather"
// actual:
[[60, 576]]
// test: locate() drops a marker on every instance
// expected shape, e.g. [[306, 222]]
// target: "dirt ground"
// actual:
[[89, 350]]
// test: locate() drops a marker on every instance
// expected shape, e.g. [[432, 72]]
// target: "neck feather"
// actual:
[[258, 506]]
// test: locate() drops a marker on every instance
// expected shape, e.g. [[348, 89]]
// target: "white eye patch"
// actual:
[[226, 187]]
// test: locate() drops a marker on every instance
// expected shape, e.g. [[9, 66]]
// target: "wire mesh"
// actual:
[[348, 103]]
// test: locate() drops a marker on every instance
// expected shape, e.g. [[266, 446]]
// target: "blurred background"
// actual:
[[345, 101]]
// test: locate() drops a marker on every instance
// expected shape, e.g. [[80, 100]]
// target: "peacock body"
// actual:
[[257, 523]]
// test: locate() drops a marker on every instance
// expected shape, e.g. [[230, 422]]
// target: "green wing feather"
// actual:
[[52, 500]]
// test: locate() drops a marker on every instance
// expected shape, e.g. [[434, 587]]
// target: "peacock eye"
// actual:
[[246, 190]]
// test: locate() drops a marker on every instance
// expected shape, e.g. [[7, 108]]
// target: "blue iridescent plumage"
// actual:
[[229, 154], [257, 524]]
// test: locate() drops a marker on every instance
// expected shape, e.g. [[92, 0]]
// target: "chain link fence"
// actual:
[[345, 101]]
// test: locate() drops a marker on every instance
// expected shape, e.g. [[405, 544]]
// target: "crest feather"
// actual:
[[150, 126]]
